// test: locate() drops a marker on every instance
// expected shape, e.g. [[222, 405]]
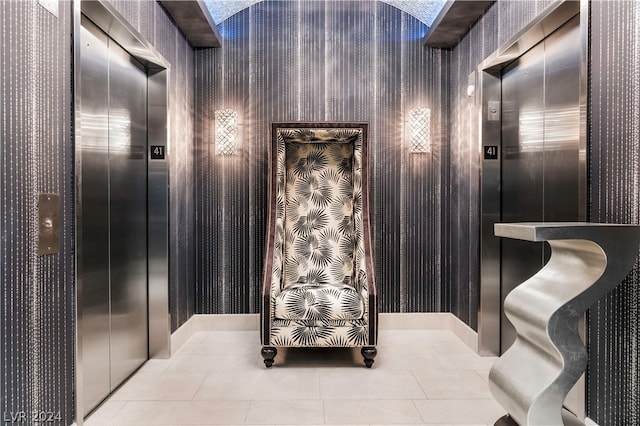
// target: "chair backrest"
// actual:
[[321, 206]]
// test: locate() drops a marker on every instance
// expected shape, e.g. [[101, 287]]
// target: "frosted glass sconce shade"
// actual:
[[419, 130], [226, 132]]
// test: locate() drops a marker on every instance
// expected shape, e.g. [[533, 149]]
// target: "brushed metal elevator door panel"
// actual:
[[562, 124], [541, 151], [93, 217], [128, 213], [112, 217], [522, 164]]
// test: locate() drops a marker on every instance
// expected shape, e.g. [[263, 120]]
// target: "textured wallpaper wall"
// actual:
[[37, 155], [319, 61], [614, 132]]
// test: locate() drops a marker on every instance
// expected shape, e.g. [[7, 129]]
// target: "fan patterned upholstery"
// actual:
[[319, 289]]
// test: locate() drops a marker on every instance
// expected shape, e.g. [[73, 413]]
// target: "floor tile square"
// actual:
[[108, 409], [286, 412], [465, 361], [404, 361], [212, 363], [460, 411], [453, 347], [208, 412], [261, 384], [370, 384], [142, 413], [453, 384], [154, 386], [371, 411]]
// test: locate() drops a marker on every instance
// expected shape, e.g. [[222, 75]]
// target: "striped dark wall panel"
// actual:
[[461, 250], [150, 19], [614, 132], [36, 155], [319, 61]]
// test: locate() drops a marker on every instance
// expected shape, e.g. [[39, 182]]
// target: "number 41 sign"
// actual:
[[491, 152], [157, 152]]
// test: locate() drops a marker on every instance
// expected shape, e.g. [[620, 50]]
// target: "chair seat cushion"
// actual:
[[319, 303]]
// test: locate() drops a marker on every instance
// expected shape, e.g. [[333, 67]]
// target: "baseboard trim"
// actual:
[[430, 321], [213, 322], [387, 321], [465, 333], [181, 335]]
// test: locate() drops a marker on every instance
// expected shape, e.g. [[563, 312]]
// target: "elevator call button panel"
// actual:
[[493, 110], [49, 223]]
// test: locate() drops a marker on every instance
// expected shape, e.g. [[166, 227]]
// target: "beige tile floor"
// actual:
[[218, 378]]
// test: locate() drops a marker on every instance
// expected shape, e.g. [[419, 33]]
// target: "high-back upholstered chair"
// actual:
[[318, 283]]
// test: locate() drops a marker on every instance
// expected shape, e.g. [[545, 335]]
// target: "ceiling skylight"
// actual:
[[223, 9], [425, 11]]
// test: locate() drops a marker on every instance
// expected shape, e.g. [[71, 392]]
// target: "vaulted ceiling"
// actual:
[[446, 20], [424, 10]]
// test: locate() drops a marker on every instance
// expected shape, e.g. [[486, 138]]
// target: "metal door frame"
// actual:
[[489, 96], [115, 26]]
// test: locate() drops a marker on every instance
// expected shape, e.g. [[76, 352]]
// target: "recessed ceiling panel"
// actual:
[[425, 11]]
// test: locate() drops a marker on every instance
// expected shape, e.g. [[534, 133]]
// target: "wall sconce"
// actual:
[[471, 84], [226, 131], [420, 130]]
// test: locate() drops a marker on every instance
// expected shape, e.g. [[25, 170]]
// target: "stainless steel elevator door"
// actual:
[[112, 228], [128, 213], [540, 146], [93, 219]]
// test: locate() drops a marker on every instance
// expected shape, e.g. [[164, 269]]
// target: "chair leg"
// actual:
[[368, 353], [268, 353]]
